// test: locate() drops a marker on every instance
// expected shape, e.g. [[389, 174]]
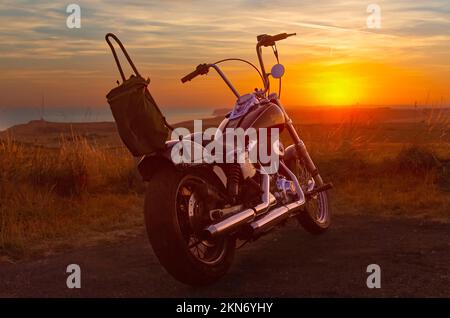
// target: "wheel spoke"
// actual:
[[196, 242], [317, 206], [190, 213]]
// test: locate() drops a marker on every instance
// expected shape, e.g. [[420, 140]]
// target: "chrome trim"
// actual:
[[301, 196], [220, 174], [281, 213], [271, 218], [263, 69], [265, 198], [266, 221], [249, 215], [311, 184], [230, 223], [225, 79]]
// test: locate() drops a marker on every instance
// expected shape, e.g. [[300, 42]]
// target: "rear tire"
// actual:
[[167, 230]]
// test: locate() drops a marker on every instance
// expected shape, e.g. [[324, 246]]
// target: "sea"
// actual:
[[10, 116]]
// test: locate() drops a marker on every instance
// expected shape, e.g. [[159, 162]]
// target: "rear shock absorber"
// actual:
[[234, 176]]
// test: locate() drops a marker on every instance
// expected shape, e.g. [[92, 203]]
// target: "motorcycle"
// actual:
[[195, 213]]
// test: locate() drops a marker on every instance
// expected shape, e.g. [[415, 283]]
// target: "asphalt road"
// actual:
[[414, 257]]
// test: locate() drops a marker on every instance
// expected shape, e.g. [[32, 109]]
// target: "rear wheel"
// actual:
[[175, 212]]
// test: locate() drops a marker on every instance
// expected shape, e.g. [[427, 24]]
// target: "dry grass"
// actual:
[[389, 169], [48, 195], [412, 183], [80, 191], [405, 178]]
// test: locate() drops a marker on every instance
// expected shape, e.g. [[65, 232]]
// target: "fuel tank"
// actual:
[[267, 115]]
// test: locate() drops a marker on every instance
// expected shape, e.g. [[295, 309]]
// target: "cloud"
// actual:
[[169, 37]]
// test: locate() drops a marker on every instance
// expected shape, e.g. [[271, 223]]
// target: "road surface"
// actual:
[[414, 257]]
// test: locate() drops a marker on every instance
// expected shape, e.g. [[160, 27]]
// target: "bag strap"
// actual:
[[159, 110], [111, 35]]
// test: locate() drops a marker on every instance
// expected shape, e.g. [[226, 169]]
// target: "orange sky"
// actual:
[[335, 59]]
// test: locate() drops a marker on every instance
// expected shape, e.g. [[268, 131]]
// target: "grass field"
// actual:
[[64, 195], [78, 189]]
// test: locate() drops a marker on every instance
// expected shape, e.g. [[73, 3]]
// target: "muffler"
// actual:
[[265, 222], [273, 218], [232, 222]]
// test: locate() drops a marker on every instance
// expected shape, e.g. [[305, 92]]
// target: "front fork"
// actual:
[[299, 145], [303, 153]]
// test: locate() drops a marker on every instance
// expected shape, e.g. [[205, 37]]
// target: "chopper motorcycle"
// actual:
[[195, 213]]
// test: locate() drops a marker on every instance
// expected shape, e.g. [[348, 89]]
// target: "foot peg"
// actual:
[[322, 188]]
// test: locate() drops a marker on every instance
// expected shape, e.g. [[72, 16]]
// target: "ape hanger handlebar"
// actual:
[[264, 40]]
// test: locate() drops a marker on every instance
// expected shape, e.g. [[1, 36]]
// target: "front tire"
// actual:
[[316, 215], [316, 218], [170, 203]]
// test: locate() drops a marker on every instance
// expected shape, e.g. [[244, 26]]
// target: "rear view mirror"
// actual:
[[277, 71]]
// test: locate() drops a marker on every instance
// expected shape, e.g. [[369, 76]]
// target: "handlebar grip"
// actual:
[[200, 70], [269, 40], [279, 37], [190, 76]]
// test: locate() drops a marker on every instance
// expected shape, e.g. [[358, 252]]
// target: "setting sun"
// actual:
[[335, 88]]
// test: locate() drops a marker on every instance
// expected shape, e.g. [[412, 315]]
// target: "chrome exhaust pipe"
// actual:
[[273, 218], [229, 223], [265, 222], [277, 215], [240, 218]]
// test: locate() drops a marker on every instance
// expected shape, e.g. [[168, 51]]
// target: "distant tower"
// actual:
[[415, 111], [42, 108]]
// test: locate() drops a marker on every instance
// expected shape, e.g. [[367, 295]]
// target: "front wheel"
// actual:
[[174, 213], [316, 216]]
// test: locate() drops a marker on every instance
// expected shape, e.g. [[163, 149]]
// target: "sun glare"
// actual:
[[337, 89]]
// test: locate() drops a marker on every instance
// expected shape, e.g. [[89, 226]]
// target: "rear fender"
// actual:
[[149, 164]]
